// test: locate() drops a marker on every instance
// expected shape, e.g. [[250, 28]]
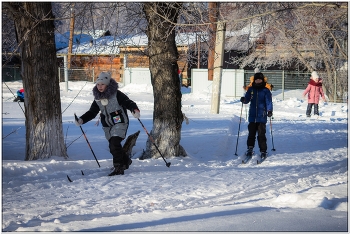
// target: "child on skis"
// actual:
[[113, 105], [260, 99]]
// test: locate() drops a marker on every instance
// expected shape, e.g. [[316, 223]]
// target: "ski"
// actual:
[[262, 159], [246, 159], [248, 156], [70, 180]]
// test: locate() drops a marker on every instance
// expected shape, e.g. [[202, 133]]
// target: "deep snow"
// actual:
[[302, 186]]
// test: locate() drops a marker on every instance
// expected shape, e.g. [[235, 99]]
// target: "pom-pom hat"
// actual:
[[258, 76], [104, 78], [314, 75]]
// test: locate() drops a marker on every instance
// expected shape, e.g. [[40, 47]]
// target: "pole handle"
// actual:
[[76, 117]]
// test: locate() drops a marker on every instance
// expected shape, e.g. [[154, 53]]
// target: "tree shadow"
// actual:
[[167, 221]]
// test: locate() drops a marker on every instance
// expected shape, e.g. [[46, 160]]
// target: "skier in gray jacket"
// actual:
[[113, 105]]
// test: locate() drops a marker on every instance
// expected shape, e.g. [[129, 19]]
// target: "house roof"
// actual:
[[85, 44], [63, 39], [112, 44]]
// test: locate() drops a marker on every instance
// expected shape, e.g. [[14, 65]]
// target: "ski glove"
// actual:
[[79, 122], [269, 113], [242, 99], [136, 113]]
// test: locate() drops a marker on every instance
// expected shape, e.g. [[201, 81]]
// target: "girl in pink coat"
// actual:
[[314, 91]]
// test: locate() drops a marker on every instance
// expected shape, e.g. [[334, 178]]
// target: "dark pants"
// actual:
[[261, 129], [309, 107], [116, 149]]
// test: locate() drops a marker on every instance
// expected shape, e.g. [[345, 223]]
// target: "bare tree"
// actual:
[[158, 21], [312, 36], [35, 30]]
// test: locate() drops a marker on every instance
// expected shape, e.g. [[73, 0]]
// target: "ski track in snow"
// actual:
[[274, 184]]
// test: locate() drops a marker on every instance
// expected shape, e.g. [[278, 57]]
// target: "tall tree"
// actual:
[[163, 56], [34, 23]]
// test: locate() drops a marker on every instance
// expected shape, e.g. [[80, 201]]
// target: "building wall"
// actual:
[[232, 82], [115, 64], [96, 64], [137, 76]]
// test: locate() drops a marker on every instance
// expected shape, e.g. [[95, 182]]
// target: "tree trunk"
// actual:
[[35, 29], [163, 56], [213, 18]]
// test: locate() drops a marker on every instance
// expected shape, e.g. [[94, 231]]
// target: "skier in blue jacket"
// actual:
[[260, 99]]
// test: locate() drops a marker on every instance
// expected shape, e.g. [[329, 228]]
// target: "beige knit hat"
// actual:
[[314, 75]]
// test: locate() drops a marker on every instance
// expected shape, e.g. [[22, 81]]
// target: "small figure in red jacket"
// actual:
[[314, 91], [20, 96]]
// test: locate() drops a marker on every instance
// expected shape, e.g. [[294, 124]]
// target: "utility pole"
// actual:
[[199, 51], [219, 50], [71, 34], [213, 18]]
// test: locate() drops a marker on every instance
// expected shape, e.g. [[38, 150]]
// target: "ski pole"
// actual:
[[70, 180], [76, 118], [239, 128], [150, 137], [273, 146]]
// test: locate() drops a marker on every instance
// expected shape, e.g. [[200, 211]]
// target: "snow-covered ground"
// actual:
[[302, 186]]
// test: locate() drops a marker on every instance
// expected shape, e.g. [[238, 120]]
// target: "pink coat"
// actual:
[[314, 91]]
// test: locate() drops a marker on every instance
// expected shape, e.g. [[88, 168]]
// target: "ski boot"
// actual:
[[263, 154], [249, 152], [118, 170]]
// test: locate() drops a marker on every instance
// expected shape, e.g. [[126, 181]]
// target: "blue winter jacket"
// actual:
[[260, 99]]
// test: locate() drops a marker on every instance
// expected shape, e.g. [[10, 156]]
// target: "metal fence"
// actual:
[[14, 74], [76, 74], [283, 79], [291, 80], [11, 74]]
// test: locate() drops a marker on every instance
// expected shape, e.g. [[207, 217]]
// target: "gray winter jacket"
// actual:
[[113, 105]]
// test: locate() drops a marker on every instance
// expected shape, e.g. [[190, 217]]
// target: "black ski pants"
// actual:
[[261, 129], [116, 149], [309, 107]]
